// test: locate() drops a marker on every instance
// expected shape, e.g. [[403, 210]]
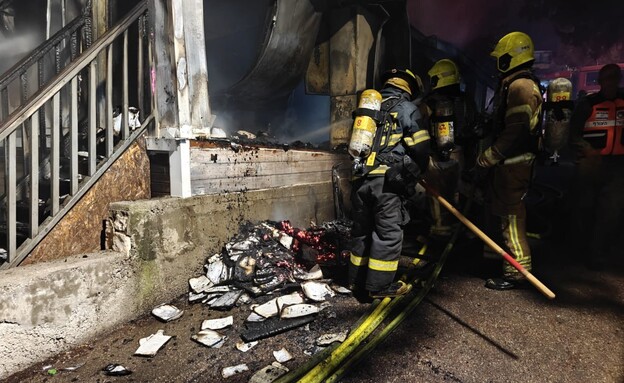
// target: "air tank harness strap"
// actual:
[[376, 115]]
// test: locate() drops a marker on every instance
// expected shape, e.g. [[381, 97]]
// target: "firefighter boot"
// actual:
[[393, 290]]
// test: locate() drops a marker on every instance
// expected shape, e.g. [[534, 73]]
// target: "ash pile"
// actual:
[[281, 272]]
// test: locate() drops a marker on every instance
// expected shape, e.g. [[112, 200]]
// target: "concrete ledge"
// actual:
[[49, 307], [172, 236]]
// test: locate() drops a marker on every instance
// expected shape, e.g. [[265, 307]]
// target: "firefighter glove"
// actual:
[[401, 178], [488, 158]]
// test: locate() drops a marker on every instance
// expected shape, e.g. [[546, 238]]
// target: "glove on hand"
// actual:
[[402, 177], [488, 158]]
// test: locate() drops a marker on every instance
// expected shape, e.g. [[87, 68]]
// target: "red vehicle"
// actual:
[[584, 79]]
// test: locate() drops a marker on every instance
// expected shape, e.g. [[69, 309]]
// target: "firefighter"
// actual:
[[450, 117], [596, 135], [398, 157], [516, 125]]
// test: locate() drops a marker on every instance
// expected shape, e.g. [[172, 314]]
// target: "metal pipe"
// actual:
[[10, 179], [34, 174], [55, 163], [125, 130], [73, 134], [109, 101], [92, 118], [141, 84]]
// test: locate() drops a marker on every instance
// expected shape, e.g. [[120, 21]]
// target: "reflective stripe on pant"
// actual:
[[514, 235], [508, 187], [377, 234]]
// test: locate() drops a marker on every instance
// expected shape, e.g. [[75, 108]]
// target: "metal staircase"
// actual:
[[58, 136]]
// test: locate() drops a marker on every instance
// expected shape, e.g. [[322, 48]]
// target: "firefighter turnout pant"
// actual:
[[508, 187], [377, 234], [442, 176]]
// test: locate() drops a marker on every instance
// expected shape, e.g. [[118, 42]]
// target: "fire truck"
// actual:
[[584, 79]]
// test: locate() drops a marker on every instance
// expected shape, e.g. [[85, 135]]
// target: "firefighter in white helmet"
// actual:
[[450, 117], [517, 117], [398, 157]]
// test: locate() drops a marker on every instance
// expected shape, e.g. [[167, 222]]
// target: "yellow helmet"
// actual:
[[514, 49], [443, 73], [404, 80]]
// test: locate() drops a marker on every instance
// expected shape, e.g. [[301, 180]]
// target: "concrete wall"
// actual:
[[172, 237], [48, 307]]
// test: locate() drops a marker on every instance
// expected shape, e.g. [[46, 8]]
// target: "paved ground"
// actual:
[[461, 333]]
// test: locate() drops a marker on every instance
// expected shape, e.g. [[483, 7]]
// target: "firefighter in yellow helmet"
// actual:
[[450, 117], [398, 157], [517, 116]]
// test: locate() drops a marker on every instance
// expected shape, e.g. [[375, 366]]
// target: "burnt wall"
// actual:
[[80, 231]]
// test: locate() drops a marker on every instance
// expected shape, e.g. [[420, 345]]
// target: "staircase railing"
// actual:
[[35, 70], [40, 204]]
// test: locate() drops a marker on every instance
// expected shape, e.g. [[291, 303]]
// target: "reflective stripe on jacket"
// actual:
[[603, 129]]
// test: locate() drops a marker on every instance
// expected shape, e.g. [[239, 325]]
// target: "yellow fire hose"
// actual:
[[323, 369], [400, 317], [293, 375]]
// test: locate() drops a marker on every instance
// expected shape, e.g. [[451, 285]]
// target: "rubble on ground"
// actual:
[[150, 345], [277, 276], [276, 272]]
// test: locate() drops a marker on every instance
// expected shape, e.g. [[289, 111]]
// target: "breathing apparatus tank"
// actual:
[[558, 114], [443, 128], [364, 128]]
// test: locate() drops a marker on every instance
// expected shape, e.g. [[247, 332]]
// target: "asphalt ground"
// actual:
[[462, 332]]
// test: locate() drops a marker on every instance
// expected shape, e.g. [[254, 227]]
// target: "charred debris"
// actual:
[[285, 276], [293, 266]]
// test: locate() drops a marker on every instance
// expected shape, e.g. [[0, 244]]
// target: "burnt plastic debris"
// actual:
[[266, 258], [271, 327], [114, 369]]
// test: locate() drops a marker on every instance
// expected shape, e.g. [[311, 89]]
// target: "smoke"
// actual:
[[15, 47], [578, 32]]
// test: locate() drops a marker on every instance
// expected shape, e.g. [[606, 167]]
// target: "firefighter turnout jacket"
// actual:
[[400, 134], [518, 107], [516, 124], [378, 211]]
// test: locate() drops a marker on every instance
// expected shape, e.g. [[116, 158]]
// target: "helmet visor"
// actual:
[[435, 79]]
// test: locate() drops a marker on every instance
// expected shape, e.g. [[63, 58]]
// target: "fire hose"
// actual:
[[401, 316], [332, 365]]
